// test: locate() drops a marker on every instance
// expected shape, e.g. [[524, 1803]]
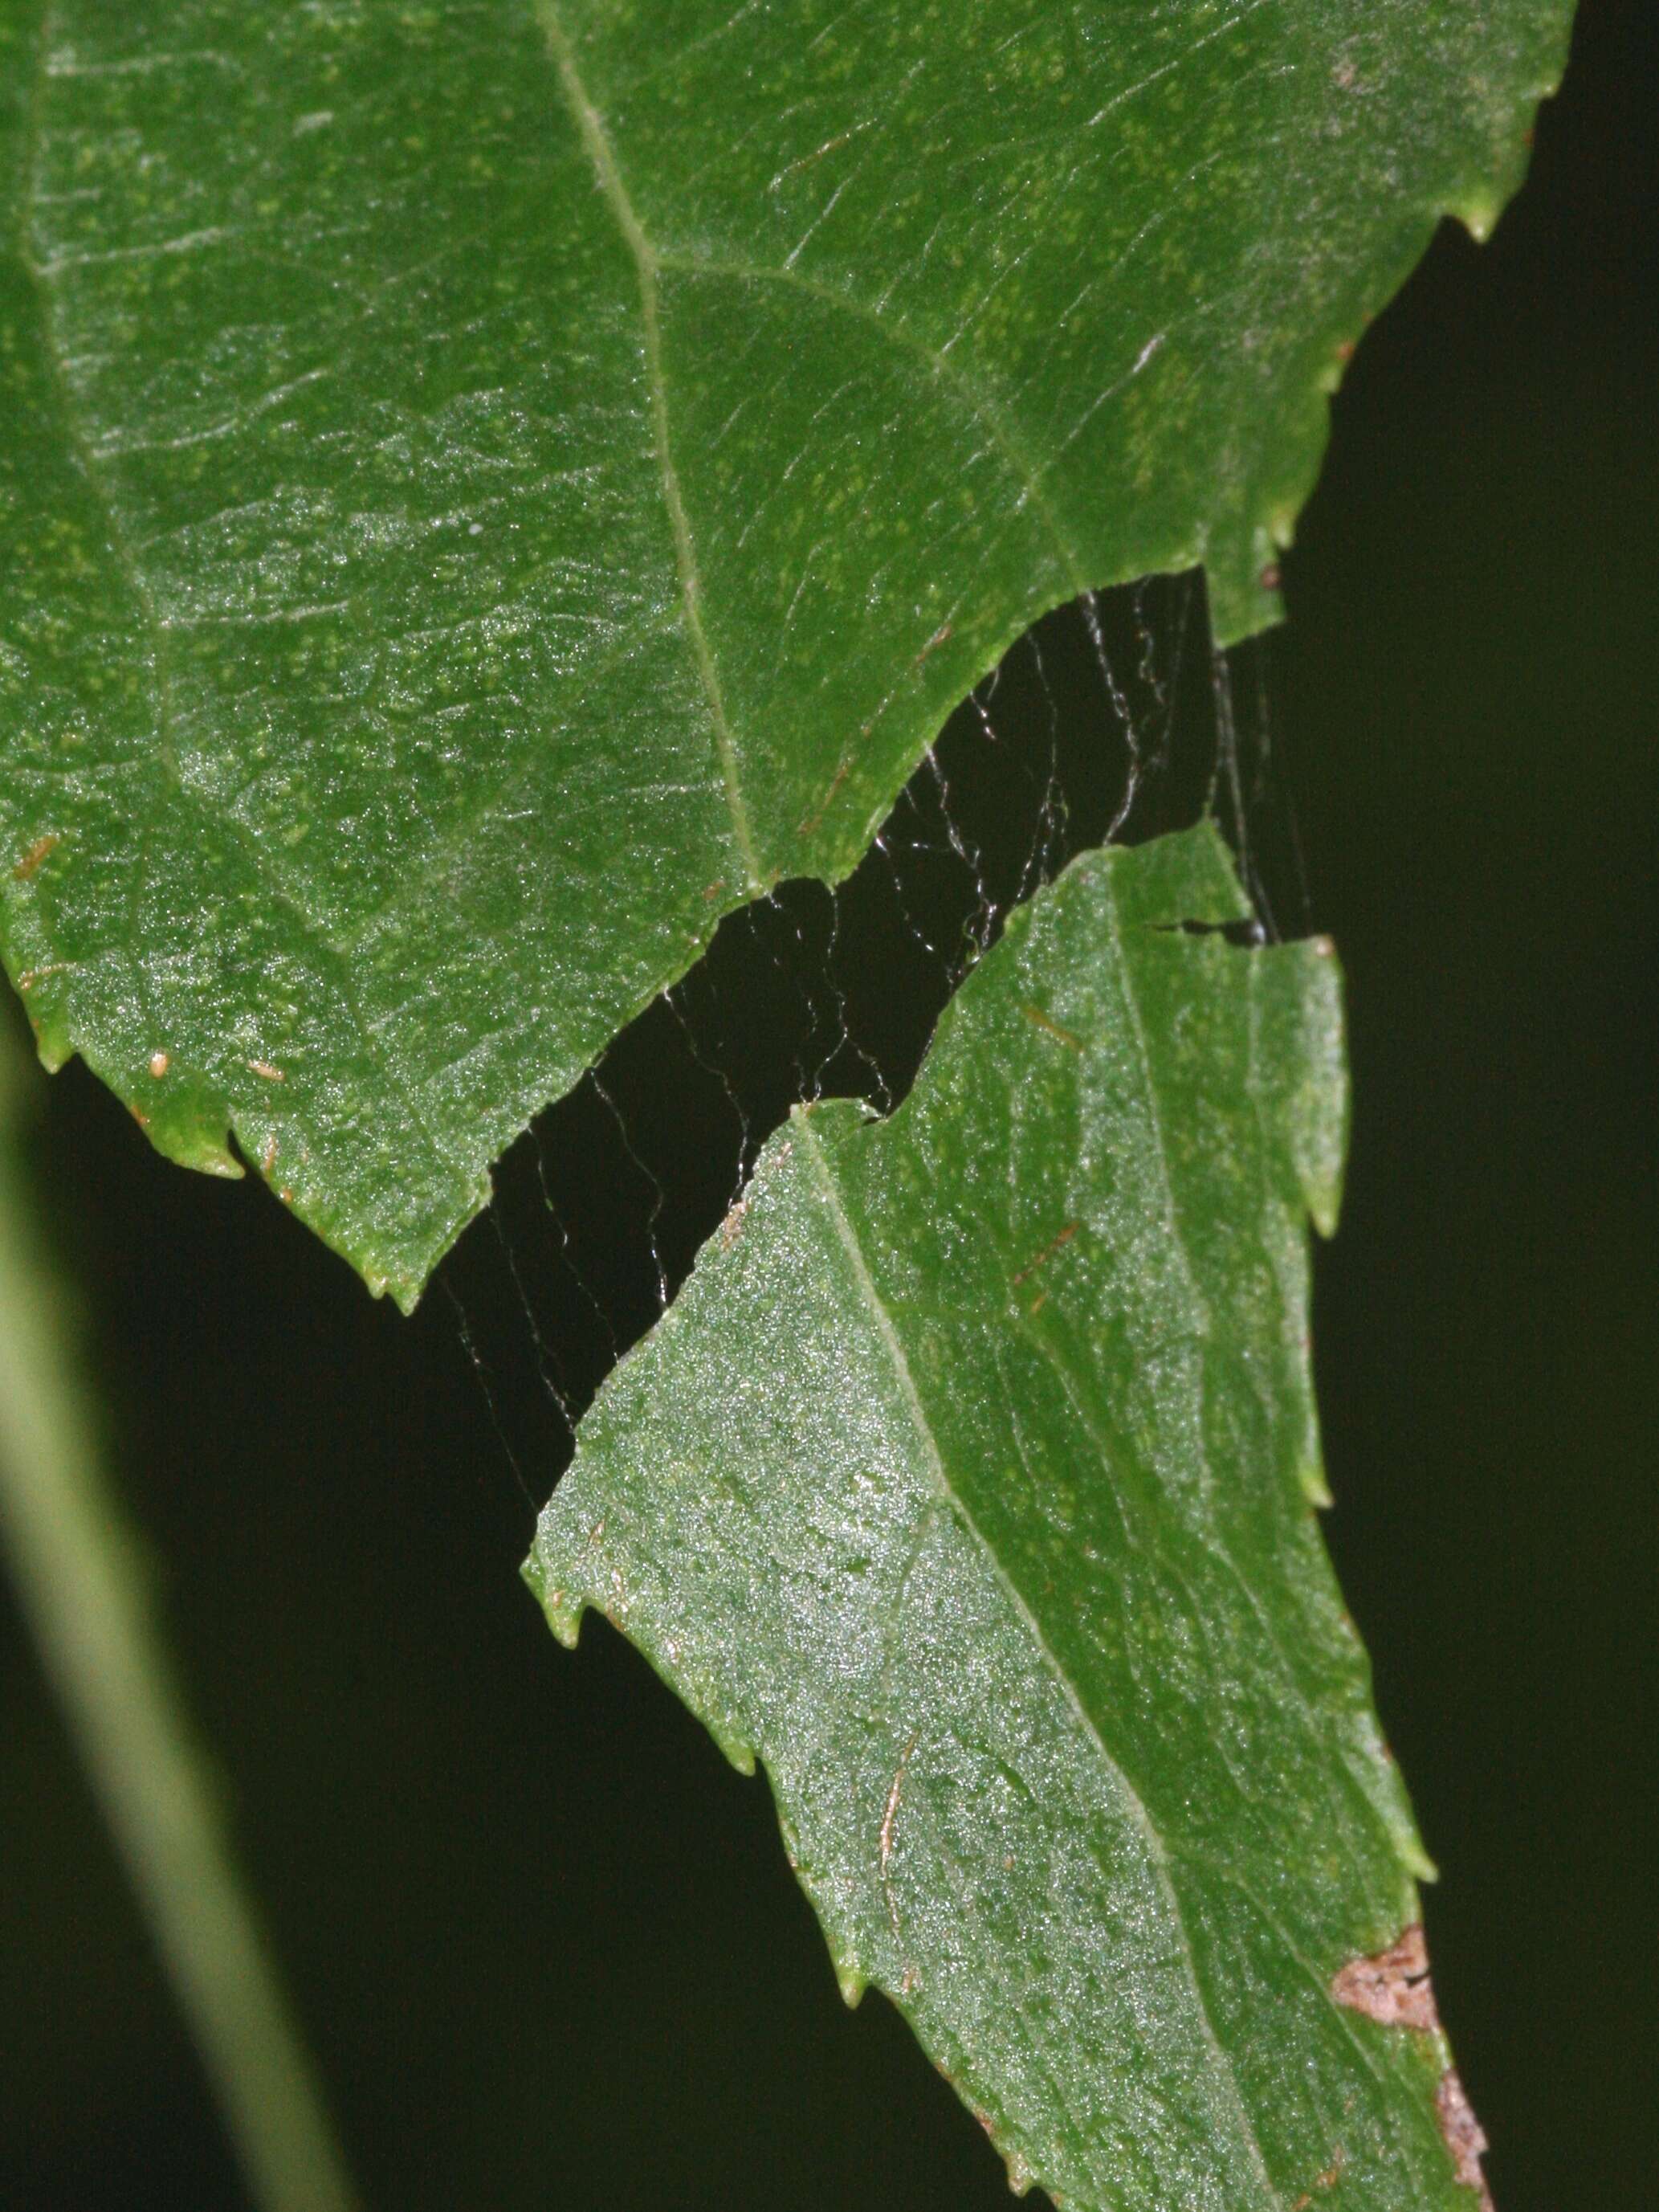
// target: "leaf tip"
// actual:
[[186, 1122], [1315, 1487], [563, 1611], [736, 1748], [1414, 1858], [1479, 213]]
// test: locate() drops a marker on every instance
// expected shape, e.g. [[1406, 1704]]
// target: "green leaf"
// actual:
[[970, 1484], [485, 491]]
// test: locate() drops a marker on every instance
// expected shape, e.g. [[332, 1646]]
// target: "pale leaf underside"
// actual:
[[969, 1484]]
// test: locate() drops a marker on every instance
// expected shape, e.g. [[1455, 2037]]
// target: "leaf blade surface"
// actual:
[[969, 1484], [486, 489]]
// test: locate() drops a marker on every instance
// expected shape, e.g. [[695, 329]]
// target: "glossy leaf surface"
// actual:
[[483, 490], [970, 1485]]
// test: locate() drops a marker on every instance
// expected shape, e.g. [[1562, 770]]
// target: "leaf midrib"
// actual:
[[650, 260], [1158, 1851]]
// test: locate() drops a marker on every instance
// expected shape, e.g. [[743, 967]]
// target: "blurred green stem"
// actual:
[[79, 1575]]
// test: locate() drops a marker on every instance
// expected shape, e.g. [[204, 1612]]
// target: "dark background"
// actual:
[[545, 1941]]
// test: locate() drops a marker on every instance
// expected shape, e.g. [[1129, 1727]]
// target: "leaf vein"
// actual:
[[968, 390], [613, 189], [1157, 1851]]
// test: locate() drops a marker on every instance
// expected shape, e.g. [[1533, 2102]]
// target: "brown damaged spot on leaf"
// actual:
[[1055, 1245], [37, 855], [1465, 2137], [1393, 1988], [1326, 2179]]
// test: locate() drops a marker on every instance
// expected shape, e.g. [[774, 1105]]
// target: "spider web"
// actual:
[[1112, 719]]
